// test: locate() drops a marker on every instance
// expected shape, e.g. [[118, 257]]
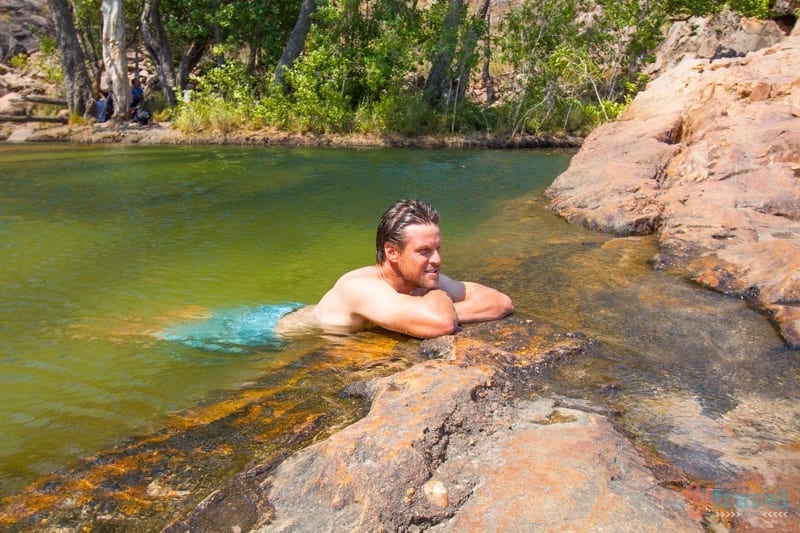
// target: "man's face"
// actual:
[[419, 260]]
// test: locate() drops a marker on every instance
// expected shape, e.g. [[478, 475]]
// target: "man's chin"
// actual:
[[430, 281]]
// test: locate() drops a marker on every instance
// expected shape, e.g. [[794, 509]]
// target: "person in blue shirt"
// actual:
[[137, 93]]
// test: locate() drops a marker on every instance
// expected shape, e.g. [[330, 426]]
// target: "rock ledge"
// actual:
[[708, 157]]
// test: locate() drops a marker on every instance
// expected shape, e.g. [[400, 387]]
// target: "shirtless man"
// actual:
[[404, 291]]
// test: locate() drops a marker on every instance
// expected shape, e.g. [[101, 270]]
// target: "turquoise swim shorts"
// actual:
[[238, 330]]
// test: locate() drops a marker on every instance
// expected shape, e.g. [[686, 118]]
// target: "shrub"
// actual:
[[18, 61]]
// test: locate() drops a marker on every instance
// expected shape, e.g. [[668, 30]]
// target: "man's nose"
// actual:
[[436, 258]]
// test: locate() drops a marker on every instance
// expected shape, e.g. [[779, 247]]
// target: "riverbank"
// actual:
[[114, 132]]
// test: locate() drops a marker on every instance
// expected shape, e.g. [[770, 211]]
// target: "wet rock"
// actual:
[[708, 157], [471, 466], [448, 444]]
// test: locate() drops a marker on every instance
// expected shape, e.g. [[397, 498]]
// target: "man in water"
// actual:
[[404, 291]]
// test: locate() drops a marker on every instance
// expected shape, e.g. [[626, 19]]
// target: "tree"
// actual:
[[159, 48], [468, 54], [297, 40], [190, 61], [78, 85], [115, 56], [439, 82]]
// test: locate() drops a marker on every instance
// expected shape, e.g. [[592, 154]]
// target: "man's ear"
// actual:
[[391, 252]]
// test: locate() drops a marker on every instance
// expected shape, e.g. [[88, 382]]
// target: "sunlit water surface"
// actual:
[[102, 247]]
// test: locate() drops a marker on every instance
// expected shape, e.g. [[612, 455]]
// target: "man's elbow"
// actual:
[[436, 328], [505, 306], [501, 306]]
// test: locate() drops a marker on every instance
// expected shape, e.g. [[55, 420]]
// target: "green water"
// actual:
[[101, 247]]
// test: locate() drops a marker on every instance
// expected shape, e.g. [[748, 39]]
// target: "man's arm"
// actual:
[[426, 316], [474, 302]]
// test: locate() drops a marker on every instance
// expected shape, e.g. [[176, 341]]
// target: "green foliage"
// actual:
[[230, 82], [48, 45], [48, 63], [191, 117], [220, 102], [401, 113], [354, 60], [567, 65], [18, 61], [683, 8], [751, 8], [210, 114]]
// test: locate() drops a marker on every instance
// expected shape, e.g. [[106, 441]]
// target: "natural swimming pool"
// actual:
[[103, 246]]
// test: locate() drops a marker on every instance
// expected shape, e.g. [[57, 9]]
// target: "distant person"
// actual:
[[404, 291], [101, 108], [137, 93], [104, 107]]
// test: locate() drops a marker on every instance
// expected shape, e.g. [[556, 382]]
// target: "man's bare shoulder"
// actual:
[[363, 274]]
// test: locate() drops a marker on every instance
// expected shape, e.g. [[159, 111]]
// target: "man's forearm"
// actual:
[[483, 303], [430, 315]]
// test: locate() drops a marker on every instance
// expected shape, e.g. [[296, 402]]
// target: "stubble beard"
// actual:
[[429, 281]]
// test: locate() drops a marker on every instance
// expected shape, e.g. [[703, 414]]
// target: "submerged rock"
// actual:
[[708, 157], [448, 444]]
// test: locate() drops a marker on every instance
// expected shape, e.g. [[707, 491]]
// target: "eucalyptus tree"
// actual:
[[155, 38], [296, 42], [439, 82], [115, 55], [77, 84]]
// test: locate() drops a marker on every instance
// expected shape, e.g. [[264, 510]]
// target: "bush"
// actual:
[[191, 117], [402, 114], [18, 61]]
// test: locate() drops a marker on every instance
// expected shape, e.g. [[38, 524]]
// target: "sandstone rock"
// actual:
[[20, 135], [21, 23], [575, 474], [446, 445], [709, 158], [482, 467], [723, 35]]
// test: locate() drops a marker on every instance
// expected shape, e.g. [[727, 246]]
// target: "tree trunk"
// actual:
[[217, 30], [115, 57], [468, 52], [255, 48], [78, 86], [297, 40], [439, 82], [159, 49], [95, 64], [486, 75], [190, 60]]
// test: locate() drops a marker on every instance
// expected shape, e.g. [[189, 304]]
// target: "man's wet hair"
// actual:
[[391, 228]]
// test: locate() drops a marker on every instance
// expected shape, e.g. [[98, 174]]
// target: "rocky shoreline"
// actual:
[[457, 443], [708, 158]]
